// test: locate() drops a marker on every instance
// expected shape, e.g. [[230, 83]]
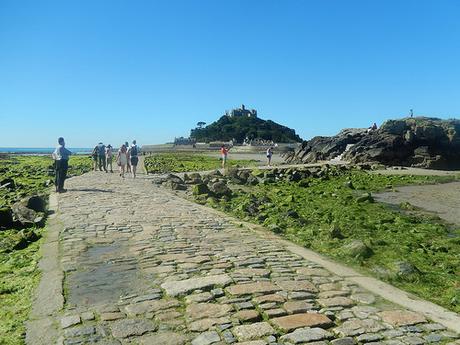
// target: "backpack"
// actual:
[[101, 150], [134, 150]]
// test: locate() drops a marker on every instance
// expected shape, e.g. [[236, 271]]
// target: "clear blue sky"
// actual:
[[117, 70]]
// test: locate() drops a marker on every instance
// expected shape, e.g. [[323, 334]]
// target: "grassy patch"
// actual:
[[182, 162], [408, 248], [18, 268], [18, 277]]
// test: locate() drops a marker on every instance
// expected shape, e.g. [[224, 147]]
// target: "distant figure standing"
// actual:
[[128, 165], [61, 165], [133, 157], [412, 113], [109, 157], [101, 156], [269, 155], [95, 154], [122, 159], [374, 127], [224, 155]]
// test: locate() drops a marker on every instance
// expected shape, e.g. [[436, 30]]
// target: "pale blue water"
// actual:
[[42, 150]]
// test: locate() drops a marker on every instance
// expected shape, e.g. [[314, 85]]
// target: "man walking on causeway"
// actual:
[[61, 164], [101, 157]]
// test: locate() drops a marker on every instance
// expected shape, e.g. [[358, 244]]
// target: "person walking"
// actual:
[[122, 159], [94, 155], [224, 155], [109, 157], [101, 156], [269, 155], [61, 165], [128, 165], [133, 157]]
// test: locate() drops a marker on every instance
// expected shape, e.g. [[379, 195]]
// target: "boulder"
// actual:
[[6, 218], [36, 203], [193, 178], [174, 178], [335, 232], [176, 186], [357, 249], [17, 241], [26, 216], [406, 271], [252, 180], [200, 189], [275, 228], [220, 189], [365, 197], [8, 183]]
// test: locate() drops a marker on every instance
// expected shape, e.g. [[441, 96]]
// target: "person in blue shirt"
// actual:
[[61, 165]]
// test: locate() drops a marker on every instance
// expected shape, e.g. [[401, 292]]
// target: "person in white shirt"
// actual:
[[61, 165], [109, 157]]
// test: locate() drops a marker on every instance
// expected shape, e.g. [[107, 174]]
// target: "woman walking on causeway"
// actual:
[[122, 159], [224, 155]]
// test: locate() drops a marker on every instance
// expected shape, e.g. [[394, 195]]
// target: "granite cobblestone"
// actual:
[[144, 266]]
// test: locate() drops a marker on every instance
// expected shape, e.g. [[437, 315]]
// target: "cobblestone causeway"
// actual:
[[143, 266]]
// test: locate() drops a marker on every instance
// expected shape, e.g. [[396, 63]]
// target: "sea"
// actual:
[[42, 150]]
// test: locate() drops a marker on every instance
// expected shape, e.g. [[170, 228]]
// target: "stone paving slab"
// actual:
[[143, 266]]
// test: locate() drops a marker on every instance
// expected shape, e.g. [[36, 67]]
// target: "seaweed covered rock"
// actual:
[[18, 240], [193, 178], [418, 142], [6, 218], [357, 249], [200, 189], [220, 188], [30, 211], [8, 183]]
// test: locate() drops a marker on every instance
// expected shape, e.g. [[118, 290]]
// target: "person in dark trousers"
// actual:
[[101, 157], [61, 165], [133, 157]]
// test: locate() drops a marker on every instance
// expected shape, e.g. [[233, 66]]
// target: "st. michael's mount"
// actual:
[[242, 124]]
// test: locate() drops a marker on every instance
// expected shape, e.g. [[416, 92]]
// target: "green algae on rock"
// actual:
[[407, 247]]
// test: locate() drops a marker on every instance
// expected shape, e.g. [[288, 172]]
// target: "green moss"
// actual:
[[182, 162], [18, 268], [18, 277], [306, 215]]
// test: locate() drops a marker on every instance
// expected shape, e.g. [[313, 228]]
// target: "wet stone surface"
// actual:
[[143, 266]]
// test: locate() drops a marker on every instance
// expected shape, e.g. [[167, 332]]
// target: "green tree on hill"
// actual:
[[242, 127]]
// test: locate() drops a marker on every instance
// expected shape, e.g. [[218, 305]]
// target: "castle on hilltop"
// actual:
[[239, 112]]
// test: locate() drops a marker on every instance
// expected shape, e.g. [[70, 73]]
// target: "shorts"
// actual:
[[224, 158], [134, 160]]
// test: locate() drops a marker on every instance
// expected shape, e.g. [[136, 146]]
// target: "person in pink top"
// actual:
[[224, 155]]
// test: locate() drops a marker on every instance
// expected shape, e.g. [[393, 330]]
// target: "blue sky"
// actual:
[[150, 70]]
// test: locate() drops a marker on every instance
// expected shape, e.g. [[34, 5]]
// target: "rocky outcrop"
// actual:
[[418, 142], [29, 211]]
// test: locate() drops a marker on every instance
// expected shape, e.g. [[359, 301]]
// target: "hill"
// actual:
[[240, 127], [418, 142]]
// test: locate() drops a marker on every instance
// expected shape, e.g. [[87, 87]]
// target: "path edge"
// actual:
[[48, 297]]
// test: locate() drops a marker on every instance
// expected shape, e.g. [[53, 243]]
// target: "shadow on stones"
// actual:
[[102, 275]]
